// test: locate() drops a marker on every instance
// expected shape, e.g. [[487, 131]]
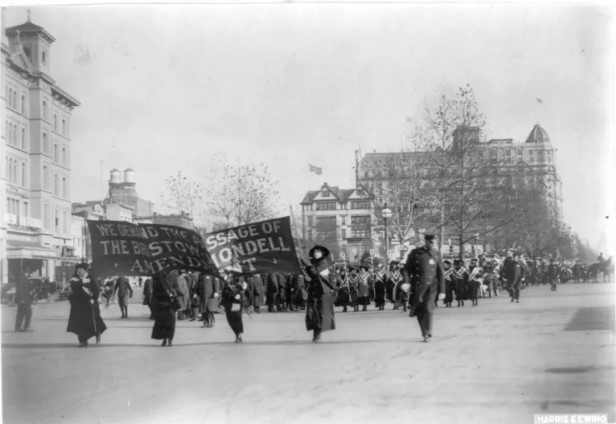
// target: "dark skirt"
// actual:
[[234, 317], [343, 298], [379, 294], [81, 320], [320, 313], [164, 321]]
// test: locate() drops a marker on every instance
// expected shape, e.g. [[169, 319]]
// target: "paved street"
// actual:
[[496, 363]]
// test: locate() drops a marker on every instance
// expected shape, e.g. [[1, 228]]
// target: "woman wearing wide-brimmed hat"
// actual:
[[320, 302]]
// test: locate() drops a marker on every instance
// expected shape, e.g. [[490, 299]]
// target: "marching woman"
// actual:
[[379, 288], [320, 302], [85, 316], [164, 305], [233, 302]]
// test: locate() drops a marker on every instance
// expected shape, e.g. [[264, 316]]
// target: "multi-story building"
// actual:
[[505, 164], [36, 147], [341, 219]]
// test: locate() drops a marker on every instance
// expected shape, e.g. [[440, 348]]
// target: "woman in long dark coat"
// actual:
[[233, 302], [320, 303], [85, 315], [164, 311]]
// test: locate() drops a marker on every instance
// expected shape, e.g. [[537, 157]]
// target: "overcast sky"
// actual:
[[163, 88]]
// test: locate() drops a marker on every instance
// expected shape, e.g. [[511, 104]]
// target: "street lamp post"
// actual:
[[386, 214]]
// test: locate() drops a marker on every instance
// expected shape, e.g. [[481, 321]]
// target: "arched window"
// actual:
[[56, 185], [44, 56], [64, 188], [23, 104], [23, 138], [64, 162], [64, 127], [23, 174], [55, 153], [55, 122], [45, 110]]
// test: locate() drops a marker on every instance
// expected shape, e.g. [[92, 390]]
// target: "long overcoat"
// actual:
[[85, 316]]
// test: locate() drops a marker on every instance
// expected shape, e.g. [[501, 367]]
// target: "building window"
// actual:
[[45, 110], [44, 57], [326, 206], [23, 174], [45, 177], [45, 215], [55, 122], [326, 228], [360, 226], [56, 185], [26, 210], [64, 156], [55, 153], [64, 127], [23, 104], [360, 204], [23, 138], [324, 193], [45, 144], [64, 222], [64, 188], [56, 219]]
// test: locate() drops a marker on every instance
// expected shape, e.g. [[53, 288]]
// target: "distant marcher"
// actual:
[[85, 316], [379, 288], [164, 306], [365, 284], [424, 270], [147, 295], [124, 292], [257, 292], [23, 300], [208, 291]]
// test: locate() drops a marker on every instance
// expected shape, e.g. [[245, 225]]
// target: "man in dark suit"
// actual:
[[424, 272], [23, 300], [124, 291], [512, 272]]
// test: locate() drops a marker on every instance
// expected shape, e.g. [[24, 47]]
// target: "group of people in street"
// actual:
[[417, 285]]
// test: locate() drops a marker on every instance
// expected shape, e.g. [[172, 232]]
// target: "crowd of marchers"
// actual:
[[185, 295]]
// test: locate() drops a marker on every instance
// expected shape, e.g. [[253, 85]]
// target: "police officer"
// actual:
[[424, 271]]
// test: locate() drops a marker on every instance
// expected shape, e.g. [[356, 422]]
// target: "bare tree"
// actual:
[[241, 194], [181, 195]]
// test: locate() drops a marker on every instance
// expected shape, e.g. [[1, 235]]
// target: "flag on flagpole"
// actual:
[[316, 169], [539, 100]]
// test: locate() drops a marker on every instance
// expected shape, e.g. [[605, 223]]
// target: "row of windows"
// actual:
[[59, 221], [13, 103], [332, 206], [59, 154], [60, 184], [16, 172], [60, 126], [15, 136]]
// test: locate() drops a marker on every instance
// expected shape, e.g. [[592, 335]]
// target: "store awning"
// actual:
[[29, 250]]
